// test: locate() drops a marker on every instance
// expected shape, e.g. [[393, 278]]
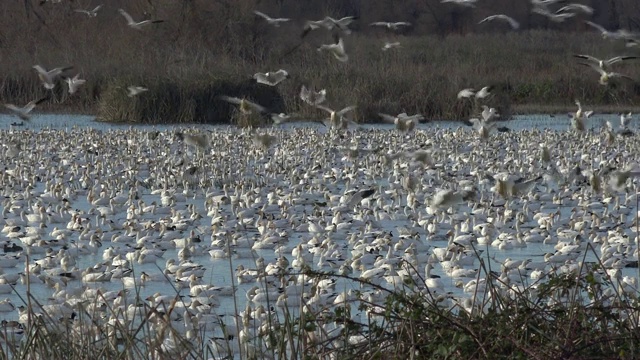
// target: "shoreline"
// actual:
[[516, 110]]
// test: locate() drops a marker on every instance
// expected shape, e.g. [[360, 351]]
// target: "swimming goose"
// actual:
[[337, 49], [48, 78], [391, 25], [272, 21], [514, 24], [74, 83], [137, 25], [271, 78], [605, 76], [135, 90], [24, 112], [246, 107], [312, 97], [90, 13]]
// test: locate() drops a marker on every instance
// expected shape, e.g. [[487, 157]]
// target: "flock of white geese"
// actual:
[[202, 223], [88, 216]]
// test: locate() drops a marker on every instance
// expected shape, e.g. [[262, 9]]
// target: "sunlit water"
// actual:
[[220, 271]]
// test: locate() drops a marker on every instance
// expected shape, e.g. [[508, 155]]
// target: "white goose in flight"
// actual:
[[312, 97], [271, 78], [24, 112], [74, 83], [336, 49], [271, 21], [48, 78], [90, 13], [336, 118], [137, 25], [514, 24]]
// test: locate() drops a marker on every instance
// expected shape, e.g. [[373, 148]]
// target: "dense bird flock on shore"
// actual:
[[307, 219]]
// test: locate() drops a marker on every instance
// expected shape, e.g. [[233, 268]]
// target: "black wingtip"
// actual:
[[367, 193]]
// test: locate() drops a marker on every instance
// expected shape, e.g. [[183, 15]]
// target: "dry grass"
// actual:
[[189, 60]]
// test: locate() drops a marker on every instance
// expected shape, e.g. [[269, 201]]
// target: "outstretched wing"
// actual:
[[126, 16]]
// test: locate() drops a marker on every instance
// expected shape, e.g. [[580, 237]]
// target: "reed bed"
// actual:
[[187, 63], [585, 312]]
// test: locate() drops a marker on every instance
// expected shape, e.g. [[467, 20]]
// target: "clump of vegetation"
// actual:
[[571, 314]]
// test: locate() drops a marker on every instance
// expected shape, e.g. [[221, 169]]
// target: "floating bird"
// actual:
[[74, 83], [90, 13], [246, 107], [271, 78], [137, 25], [24, 112], [514, 24], [312, 97], [337, 49], [272, 21], [48, 77], [135, 90]]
